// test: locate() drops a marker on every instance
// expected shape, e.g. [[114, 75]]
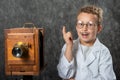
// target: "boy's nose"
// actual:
[[85, 27]]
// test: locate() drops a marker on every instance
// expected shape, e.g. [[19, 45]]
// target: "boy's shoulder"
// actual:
[[101, 45], [101, 48]]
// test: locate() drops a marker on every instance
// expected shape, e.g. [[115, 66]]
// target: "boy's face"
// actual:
[[87, 28]]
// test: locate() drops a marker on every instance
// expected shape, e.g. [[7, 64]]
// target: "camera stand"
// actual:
[[26, 77]]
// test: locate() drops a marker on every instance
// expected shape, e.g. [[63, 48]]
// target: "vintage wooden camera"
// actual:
[[24, 51]]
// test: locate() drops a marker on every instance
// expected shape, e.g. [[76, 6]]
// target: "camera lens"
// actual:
[[20, 50], [17, 52]]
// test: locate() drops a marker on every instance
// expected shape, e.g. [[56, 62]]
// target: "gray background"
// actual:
[[52, 15]]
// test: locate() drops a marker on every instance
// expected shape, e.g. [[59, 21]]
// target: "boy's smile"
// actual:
[[84, 34]]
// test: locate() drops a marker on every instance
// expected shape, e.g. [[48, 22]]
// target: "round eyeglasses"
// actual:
[[89, 25]]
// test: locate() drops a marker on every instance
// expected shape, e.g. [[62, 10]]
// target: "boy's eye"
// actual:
[[81, 24], [90, 24]]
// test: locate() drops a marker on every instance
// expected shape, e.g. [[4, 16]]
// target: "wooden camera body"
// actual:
[[24, 51]]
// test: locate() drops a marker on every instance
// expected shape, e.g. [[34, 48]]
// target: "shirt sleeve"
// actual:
[[65, 68]]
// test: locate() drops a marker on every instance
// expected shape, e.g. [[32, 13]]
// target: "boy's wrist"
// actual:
[[69, 46]]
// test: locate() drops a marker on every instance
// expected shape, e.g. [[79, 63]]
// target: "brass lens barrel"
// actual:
[[20, 50]]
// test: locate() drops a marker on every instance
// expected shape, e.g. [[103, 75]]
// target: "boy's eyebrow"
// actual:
[[79, 21]]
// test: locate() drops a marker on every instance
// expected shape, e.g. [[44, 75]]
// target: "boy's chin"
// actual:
[[87, 41]]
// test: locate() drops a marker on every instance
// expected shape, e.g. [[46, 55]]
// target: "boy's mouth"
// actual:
[[84, 34]]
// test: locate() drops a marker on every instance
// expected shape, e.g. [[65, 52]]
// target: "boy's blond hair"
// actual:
[[92, 9]]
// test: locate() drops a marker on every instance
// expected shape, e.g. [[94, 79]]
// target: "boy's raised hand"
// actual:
[[67, 36]]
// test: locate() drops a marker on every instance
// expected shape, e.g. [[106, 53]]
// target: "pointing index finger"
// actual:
[[64, 30]]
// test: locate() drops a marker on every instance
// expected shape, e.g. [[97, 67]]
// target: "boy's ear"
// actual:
[[100, 28]]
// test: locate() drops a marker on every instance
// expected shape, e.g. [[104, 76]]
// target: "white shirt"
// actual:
[[85, 50], [97, 65]]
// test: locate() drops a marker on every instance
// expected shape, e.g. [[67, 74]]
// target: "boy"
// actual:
[[86, 58]]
